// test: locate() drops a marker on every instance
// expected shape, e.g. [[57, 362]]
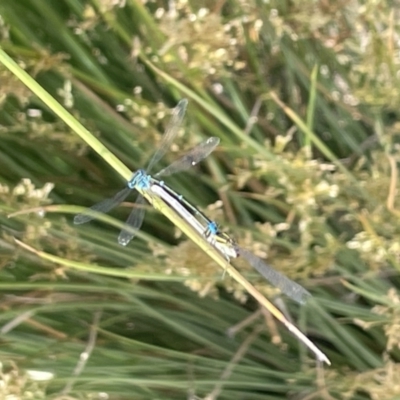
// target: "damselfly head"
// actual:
[[139, 180]]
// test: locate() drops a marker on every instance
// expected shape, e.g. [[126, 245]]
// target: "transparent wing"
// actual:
[[134, 222], [170, 133], [286, 285], [104, 206], [191, 158]]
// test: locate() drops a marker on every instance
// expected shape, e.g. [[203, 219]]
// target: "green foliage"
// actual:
[[304, 98]]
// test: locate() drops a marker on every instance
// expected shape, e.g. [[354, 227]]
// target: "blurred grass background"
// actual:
[[304, 97]]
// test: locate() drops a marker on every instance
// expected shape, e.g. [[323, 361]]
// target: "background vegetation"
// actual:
[[304, 96]]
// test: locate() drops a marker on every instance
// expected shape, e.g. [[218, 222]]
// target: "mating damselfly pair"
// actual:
[[148, 186], [156, 191]]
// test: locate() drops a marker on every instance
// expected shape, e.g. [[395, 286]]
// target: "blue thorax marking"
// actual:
[[212, 228], [168, 189]]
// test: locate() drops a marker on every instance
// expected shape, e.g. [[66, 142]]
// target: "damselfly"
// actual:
[[225, 244], [227, 247], [141, 180]]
